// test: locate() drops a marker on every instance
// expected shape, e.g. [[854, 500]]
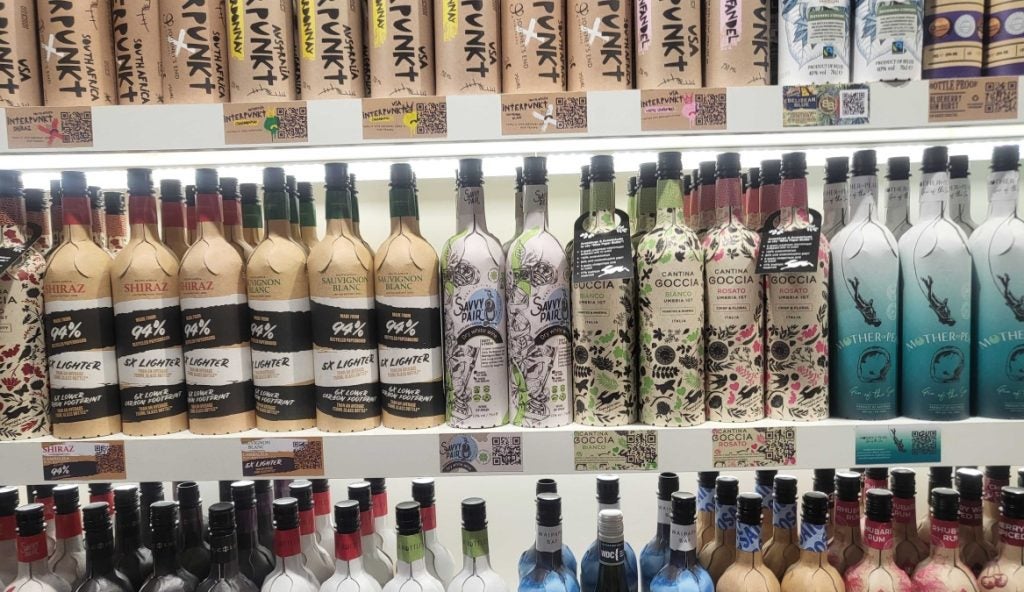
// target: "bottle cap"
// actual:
[[243, 494], [945, 503], [1012, 502], [648, 177], [864, 163], [609, 526], [471, 172], [533, 172], [126, 498], [151, 490], [765, 477], [65, 499], [42, 491], [407, 518], [998, 472], [95, 197], [302, 490], [749, 508], [836, 169], [903, 482], [305, 191], [585, 177], [771, 172], [602, 168], [784, 488], [249, 193], [30, 519], [877, 473], [815, 508], [229, 187], [1006, 158], [668, 483], [113, 201], [170, 190], [222, 518], [754, 178], [969, 483], [706, 479], [940, 477], [848, 486], [10, 184], [73, 183], [632, 186], [140, 181], [549, 509], [188, 494], [35, 200], [346, 516], [274, 179], [935, 159], [726, 489], [336, 176], [190, 195], [96, 517], [546, 485], [727, 165], [321, 485], [423, 491], [519, 178], [899, 168], [360, 492], [9, 500], [401, 175], [286, 513], [377, 484], [707, 172], [684, 508], [607, 489], [670, 165], [687, 185], [474, 514], [99, 488], [207, 181], [163, 515], [878, 506], [224, 491], [794, 165], [959, 166]]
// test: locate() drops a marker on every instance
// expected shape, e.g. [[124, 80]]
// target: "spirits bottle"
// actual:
[[873, 478], [476, 573], [771, 178], [384, 537], [290, 573], [836, 210], [322, 515], [846, 548], [603, 324], [720, 553], [252, 213], [438, 560], [996, 478], [97, 216], [315, 556], [214, 310], [101, 572], [683, 572], [537, 279], [195, 551], [37, 212], [472, 269], [975, 550], [355, 210], [752, 217], [764, 486], [612, 574], [411, 567], [1005, 572], [282, 341], [307, 216], [408, 315], [748, 573], [225, 575], [877, 571], [528, 560], [68, 558], [706, 482], [43, 494], [254, 559], [549, 573], [945, 570], [825, 482], [292, 190], [646, 217], [783, 549], [897, 196], [168, 574], [80, 321], [584, 206], [116, 219], [234, 231], [377, 564], [34, 573], [349, 572], [590, 564], [937, 477], [734, 364], [997, 248], [655, 554], [960, 193], [520, 213], [131, 559], [150, 492], [797, 317], [191, 214], [265, 513], [9, 501], [908, 549], [172, 217], [670, 274], [935, 307], [340, 272], [813, 570], [865, 303], [147, 322]]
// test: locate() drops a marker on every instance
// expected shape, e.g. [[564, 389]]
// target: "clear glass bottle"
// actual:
[[384, 537], [937, 477], [376, 563], [195, 551], [131, 558], [655, 554], [612, 575], [411, 567], [34, 574], [437, 558], [846, 548], [528, 560], [168, 574], [549, 574], [897, 196], [813, 570], [349, 573], [705, 508], [290, 573], [254, 560], [316, 558], [975, 550], [683, 572], [748, 573], [101, 573], [908, 549], [1005, 572], [68, 558], [225, 575], [945, 570], [877, 570], [477, 574], [590, 564], [719, 554], [783, 549]]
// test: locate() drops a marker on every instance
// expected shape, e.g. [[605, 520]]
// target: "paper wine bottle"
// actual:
[[137, 55], [194, 51], [261, 50], [20, 86], [77, 56], [330, 40], [533, 46], [401, 42]]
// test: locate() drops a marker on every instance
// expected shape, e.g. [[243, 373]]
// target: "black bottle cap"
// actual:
[[935, 159], [224, 491], [687, 186], [113, 202], [945, 503], [836, 169], [815, 508], [229, 187], [140, 181], [706, 479], [56, 191], [549, 509], [707, 172], [360, 492], [190, 195], [96, 517], [207, 181], [727, 165], [286, 513], [126, 498], [352, 184], [221, 518], [346, 516], [668, 483], [684, 508], [474, 514], [898, 168], [602, 168], [407, 518], [534, 171], [243, 494], [336, 176], [749, 508], [263, 486], [519, 178], [969, 483], [151, 490], [670, 165], [695, 175], [274, 179], [302, 490], [585, 177], [10, 183], [1006, 158], [9, 500], [99, 488], [648, 176], [864, 163], [188, 494], [471, 172], [754, 178], [546, 485], [877, 473], [940, 477], [305, 191], [73, 183], [43, 491], [423, 491], [607, 489], [794, 165], [878, 506], [163, 515], [726, 490], [959, 166], [35, 200], [848, 486], [765, 477], [170, 190], [95, 197], [998, 472], [401, 175], [30, 519], [785, 489], [1012, 502], [65, 499], [250, 193], [321, 485], [771, 172], [903, 482]]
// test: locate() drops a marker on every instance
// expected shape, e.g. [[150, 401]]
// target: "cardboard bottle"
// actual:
[[401, 42], [172, 217], [20, 83], [718, 554], [533, 46], [98, 216], [668, 41], [355, 211], [877, 572], [888, 40], [705, 508], [783, 548], [194, 48], [77, 57], [466, 47], [764, 486], [37, 212], [600, 40], [836, 199], [330, 40], [116, 221], [261, 51], [137, 55], [1005, 571], [252, 213], [147, 322], [341, 288], [738, 51], [56, 213], [1004, 42], [814, 42], [975, 550], [215, 316], [953, 44], [307, 216], [897, 196], [908, 548], [282, 340], [191, 216], [233, 230], [80, 324], [408, 315], [813, 571], [23, 381], [748, 573], [291, 186], [846, 548], [960, 193]]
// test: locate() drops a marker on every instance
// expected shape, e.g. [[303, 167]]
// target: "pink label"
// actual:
[[306, 522], [847, 513], [878, 535], [904, 511], [286, 543], [1012, 531], [380, 504], [945, 534], [32, 548], [731, 19], [793, 193], [322, 503], [970, 512], [347, 546], [69, 525], [366, 523], [993, 489], [8, 528]]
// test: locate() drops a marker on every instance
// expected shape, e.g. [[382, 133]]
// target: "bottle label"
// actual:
[[32, 548], [68, 525], [366, 522], [8, 528], [474, 543], [410, 356], [904, 511], [683, 537], [612, 553], [23, 379], [836, 208], [767, 495], [549, 539], [847, 513], [705, 499], [322, 503], [945, 534], [307, 522], [349, 545], [380, 504], [748, 537], [993, 489], [891, 48], [725, 517], [1003, 186], [815, 42], [286, 543], [282, 359], [970, 512], [149, 357], [813, 537], [345, 357], [410, 547], [1012, 531], [934, 188], [218, 361], [664, 511], [428, 515], [783, 515], [878, 535]]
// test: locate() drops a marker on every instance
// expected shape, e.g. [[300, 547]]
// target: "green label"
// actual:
[[474, 543], [410, 547]]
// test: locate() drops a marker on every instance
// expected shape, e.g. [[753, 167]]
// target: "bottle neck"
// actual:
[[287, 544], [549, 546], [897, 196], [669, 202], [612, 553], [278, 213], [469, 211], [813, 537], [129, 537], [142, 217], [337, 205], [971, 514], [210, 215], [664, 520], [683, 544], [960, 198], [728, 200], [646, 208], [380, 510], [248, 533], [77, 218], [232, 213], [1003, 193], [32, 554], [836, 199], [748, 539], [847, 517], [707, 199], [602, 196], [725, 523], [428, 516], [584, 200], [165, 552], [252, 215], [192, 526], [68, 525], [475, 550], [99, 554], [411, 554], [223, 556], [904, 517], [934, 199], [705, 499], [535, 207], [945, 539], [1012, 536], [863, 197], [878, 537], [307, 214], [307, 522], [783, 521], [793, 200]]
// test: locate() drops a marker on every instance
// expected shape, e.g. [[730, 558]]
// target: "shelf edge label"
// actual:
[[89, 461], [669, 110], [300, 457], [544, 114], [266, 123], [480, 453], [972, 99], [49, 127], [896, 444], [615, 450], [410, 118], [826, 105], [753, 447]]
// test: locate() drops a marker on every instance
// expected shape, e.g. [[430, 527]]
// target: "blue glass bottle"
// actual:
[[549, 574], [528, 559], [683, 573], [607, 499], [655, 554]]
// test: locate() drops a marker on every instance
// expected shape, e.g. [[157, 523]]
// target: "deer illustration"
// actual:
[[1016, 304], [941, 307], [866, 307]]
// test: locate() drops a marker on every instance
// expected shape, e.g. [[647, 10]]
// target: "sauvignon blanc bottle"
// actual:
[[350, 574], [836, 200], [411, 568], [960, 193], [683, 572], [528, 560], [477, 574], [897, 196], [590, 564], [549, 574], [655, 554], [252, 213]]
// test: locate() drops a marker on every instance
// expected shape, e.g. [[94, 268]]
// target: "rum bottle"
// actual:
[[1004, 572], [748, 573], [846, 548], [813, 570], [706, 483], [252, 213], [836, 210], [720, 553], [225, 574], [683, 572], [307, 215], [195, 550], [975, 550], [411, 568], [996, 478], [290, 573], [877, 570], [377, 564], [172, 217], [960, 193], [438, 560], [476, 573], [590, 563], [549, 573], [68, 558], [131, 558], [234, 231], [349, 572], [937, 477], [655, 554], [897, 196], [908, 548], [783, 549], [34, 573], [945, 570], [254, 560], [168, 574], [116, 215], [314, 555]]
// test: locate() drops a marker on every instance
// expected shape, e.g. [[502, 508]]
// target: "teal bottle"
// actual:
[[549, 574], [590, 565], [683, 572], [655, 554], [528, 560]]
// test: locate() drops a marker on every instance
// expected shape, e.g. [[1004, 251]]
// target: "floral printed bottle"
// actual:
[[705, 508], [974, 549], [944, 570], [783, 550], [719, 554], [846, 548], [771, 177], [937, 477], [909, 550], [752, 218], [897, 196], [748, 573], [813, 571], [996, 478], [877, 571], [1005, 573]]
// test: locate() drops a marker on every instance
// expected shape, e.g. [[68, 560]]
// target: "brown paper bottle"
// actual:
[[783, 549], [194, 49], [408, 315], [77, 55], [355, 212], [137, 36], [720, 553], [282, 341], [876, 571], [846, 548], [668, 44], [909, 549], [600, 44], [974, 549], [215, 314], [172, 217], [330, 41], [37, 212], [705, 508], [292, 187], [401, 42], [825, 482], [466, 47], [937, 477], [737, 51], [812, 571], [233, 230], [261, 51], [252, 213], [341, 287], [116, 221], [764, 486], [533, 46], [20, 83], [1005, 573], [80, 325], [945, 570], [307, 216], [56, 213], [191, 218], [748, 573], [996, 478], [147, 322], [98, 216]]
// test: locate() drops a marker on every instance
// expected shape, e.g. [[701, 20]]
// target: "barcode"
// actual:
[[924, 441], [779, 445], [506, 451], [1001, 97], [76, 127], [710, 109], [292, 123], [642, 449], [853, 103], [571, 112], [432, 119]]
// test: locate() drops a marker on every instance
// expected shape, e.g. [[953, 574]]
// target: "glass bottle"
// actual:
[[322, 515], [813, 570], [476, 574], [960, 193], [349, 573], [764, 486], [131, 558], [517, 206], [683, 572], [172, 217], [897, 196], [908, 548], [612, 575], [718, 554], [549, 573], [825, 482], [168, 574], [265, 513], [195, 551], [383, 535], [290, 573], [254, 560], [846, 548], [705, 508], [252, 213], [877, 570], [783, 549], [975, 550], [56, 211], [101, 573], [411, 567], [68, 558], [437, 558], [376, 563], [945, 569], [234, 230], [225, 575], [150, 492], [34, 574], [528, 560], [996, 478], [748, 573], [316, 558], [771, 178], [43, 494], [655, 554], [607, 499], [9, 501], [307, 216], [874, 478], [1005, 572], [836, 210]]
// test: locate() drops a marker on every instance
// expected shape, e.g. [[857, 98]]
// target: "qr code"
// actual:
[[293, 123], [571, 112], [309, 455], [506, 451], [779, 445], [76, 127], [710, 109], [924, 441], [432, 119], [1001, 97], [109, 459], [853, 103], [642, 449]]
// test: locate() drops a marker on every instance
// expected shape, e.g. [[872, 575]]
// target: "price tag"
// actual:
[[411, 118], [895, 445], [753, 447], [266, 123], [83, 461], [49, 127], [604, 255], [972, 99], [826, 105], [480, 453], [544, 113], [790, 250], [669, 110], [618, 450], [299, 457]]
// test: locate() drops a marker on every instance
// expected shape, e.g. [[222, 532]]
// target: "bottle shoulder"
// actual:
[[361, 582]]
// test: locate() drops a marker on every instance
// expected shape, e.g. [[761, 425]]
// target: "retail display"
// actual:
[[814, 41]]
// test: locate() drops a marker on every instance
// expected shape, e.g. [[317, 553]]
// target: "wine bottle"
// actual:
[[683, 572], [315, 556], [632, 188], [195, 551], [234, 231], [97, 216], [519, 211], [720, 553], [528, 560], [975, 550], [477, 573], [590, 564], [877, 570], [706, 205], [37, 211], [764, 486], [752, 218], [150, 492], [908, 549], [168, 574], [324, 530], [813, 570], [996, 478], [292, 190], [191, 214], [771, 178], [307, 216], [584, 206], [265, 513], [655, 554], [34, 573], [549, 573], [411, 567], [670, 276], [376, 563], [116, 217], [131, 558], [748, 573], [68, 558], [945, 570], [102, 492], [537, 279], [57, 211], [172, 217], [384, 537], [1005, 572], [937, 477], [349, 572], [354, 190], [9, 501], [43, 494], [612, 574], [252, 213], [438, 560], [645, 218], [836, 210], [290, 573], [960, 193], [783, 549], [897, 196], [101, 571], [825, 482], [225, 574], [846, 548], [705, 508], [254, 559]]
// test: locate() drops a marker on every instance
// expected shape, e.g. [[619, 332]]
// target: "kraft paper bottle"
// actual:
[[737, 52], [147, 322], [116, 216], [935, 303], [252, 213], [20, 82], [408, 315], [783, 549], [897, 196], [261, 51], [600, 44], [466, 47], [945, 569], [846, 548], [307, 216], [825, 482], [341, 292], [37, 212], [354, 190], [887, 40], [191, 217], [813, 571], [748, 573], [23, 380], [668, 42], [908, 548], [77, 54], [279, 312], [215, 314], [960, 193], [194, 51], [330, 40], [533, 46], [720, 552], [764, 486], [997, 251], [836, 199], [1005, 572], [877, 572], [137, 55], [401, 43], [80, 325], [864, 305], [1004, 42], [172, 217], [705, 507], [518, 206], [814, 41], [56, 212], [97, 216], [292, 188], [232, 206], [953, 38], [937, 477], [975, 551]]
